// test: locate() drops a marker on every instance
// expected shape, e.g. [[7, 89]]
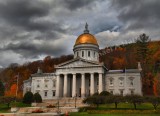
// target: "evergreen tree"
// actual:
[[2, 88], [37, 98], [28, 98], [142, 47], [142, 54]]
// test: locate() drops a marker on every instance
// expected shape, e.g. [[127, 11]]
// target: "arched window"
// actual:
[[82, 53], [121, 81], [88, 53]]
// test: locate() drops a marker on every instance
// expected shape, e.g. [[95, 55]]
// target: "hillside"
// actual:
[[123, 56]]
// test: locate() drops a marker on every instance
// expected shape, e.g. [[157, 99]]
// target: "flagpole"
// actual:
[[17, 86]]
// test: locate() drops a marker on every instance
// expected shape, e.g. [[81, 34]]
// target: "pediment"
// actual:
[[78, 63]]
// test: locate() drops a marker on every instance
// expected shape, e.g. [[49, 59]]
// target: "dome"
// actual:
[[86, 38]]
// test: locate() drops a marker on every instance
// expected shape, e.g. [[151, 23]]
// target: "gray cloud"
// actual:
[[32, 29], [138, 14]]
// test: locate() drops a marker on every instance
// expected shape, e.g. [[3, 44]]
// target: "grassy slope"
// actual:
[[4, 108]]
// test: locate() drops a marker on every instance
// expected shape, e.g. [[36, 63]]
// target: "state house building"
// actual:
[[84, 75]]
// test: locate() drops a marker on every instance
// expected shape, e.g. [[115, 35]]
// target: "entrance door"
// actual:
[[79, 92]]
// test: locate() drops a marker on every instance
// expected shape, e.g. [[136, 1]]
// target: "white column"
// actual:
[[65, 86], [92, 89], [100, 83], [74, 85], [83, 85], [58, 86]]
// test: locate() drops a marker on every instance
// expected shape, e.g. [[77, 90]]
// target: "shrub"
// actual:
[[28, 98], [7, 100], [95, 94], [105, 93], [37, 98]]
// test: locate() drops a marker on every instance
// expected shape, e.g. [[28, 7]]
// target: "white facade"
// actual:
[[84, 76]]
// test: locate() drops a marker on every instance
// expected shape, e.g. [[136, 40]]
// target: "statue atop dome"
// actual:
[[86, 29]]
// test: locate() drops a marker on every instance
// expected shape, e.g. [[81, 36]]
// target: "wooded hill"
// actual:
[[115, 57]]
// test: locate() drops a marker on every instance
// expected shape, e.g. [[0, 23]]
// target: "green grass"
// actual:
[[4, 108], [125, 106], [123, 109], [87, 114]]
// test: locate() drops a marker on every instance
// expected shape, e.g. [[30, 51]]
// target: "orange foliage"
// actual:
[[155, 87], [119, 63], [11, 91]]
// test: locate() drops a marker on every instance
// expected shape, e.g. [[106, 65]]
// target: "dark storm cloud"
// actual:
[[25, 14], [75, 4], [138, 14], [33, 50]]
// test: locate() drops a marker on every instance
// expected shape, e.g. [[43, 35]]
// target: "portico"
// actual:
[[79, 84]]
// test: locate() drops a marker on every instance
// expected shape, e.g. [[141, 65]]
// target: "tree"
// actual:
[[142, 47], [94, 100], [116, 99], [37, 98], [2, 88], [155, 101], [134, 99], [142, 53], [28, 98]]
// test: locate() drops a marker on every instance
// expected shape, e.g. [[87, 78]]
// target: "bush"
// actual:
[[7, 100], [28, 98], [105, 93], [95, 94], [37, 98]]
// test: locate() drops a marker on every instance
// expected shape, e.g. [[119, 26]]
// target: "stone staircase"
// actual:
[[65, 105]]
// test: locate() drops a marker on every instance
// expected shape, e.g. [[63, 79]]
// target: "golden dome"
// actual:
[[86, 38]]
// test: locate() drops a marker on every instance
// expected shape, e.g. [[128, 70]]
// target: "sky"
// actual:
[[33, 29]]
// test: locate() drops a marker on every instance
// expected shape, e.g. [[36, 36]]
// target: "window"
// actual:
[[82, 53], [54, 93], [121, 92], [88, 53], [121, 81], [94, 54], [38, 86], [38, 83], [131, 82], [111, 82], [46, 85], [132, 92], [45, 93], [54, 83]]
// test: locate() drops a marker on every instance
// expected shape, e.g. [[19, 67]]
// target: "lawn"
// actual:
[[87, 114], [122, 110], [4, 108]]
